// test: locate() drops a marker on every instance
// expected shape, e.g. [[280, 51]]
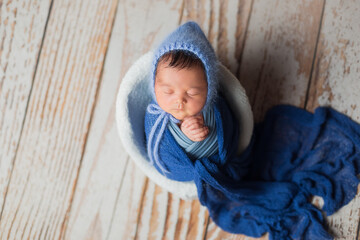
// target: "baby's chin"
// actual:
[[181, 115]]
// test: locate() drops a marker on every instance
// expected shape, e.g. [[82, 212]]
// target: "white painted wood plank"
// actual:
[[224, 24], [129, 204], [22, 25], [336, 83], [337, 73], [278, 53], [57, 120], [104, 158], [180, 219]]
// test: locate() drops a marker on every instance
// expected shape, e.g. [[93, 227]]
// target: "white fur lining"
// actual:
[[132, 100]]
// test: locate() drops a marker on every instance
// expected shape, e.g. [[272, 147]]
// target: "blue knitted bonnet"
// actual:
[[190, 37]]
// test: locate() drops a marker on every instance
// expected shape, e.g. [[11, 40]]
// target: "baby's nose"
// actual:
[[180, 103]]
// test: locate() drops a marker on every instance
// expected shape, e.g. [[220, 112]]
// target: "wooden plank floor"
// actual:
[[64, 173]]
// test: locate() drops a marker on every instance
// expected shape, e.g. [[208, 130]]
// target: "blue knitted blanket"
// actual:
[[293, 156]]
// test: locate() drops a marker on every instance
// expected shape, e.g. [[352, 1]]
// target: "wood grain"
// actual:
[[49, 156], [224, 23], [278, 53], [127, 212], [165, 216], [335, 82], [22, 26]]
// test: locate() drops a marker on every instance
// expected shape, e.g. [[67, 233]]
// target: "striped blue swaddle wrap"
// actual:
[[196, 150]]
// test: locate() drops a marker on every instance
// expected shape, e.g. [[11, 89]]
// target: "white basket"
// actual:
[[132, 100]]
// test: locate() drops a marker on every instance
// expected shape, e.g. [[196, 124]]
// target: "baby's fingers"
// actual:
[[192, 124], [188, 121], [200, 134], [191, 120]]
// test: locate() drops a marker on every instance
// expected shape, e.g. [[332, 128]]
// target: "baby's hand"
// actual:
[[194, 129]]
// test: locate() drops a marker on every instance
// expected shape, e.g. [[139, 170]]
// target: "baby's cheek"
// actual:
[[197, 106], [162, 100]]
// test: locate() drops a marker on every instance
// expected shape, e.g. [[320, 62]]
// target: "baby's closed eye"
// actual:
[[193, 92], [167, 91]]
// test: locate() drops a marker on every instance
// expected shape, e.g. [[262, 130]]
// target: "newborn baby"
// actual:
[[184, 122]]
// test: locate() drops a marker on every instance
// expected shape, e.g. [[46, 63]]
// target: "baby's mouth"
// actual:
[[179, 109]]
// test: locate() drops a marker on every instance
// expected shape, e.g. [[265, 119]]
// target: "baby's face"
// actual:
[[182, 93]]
